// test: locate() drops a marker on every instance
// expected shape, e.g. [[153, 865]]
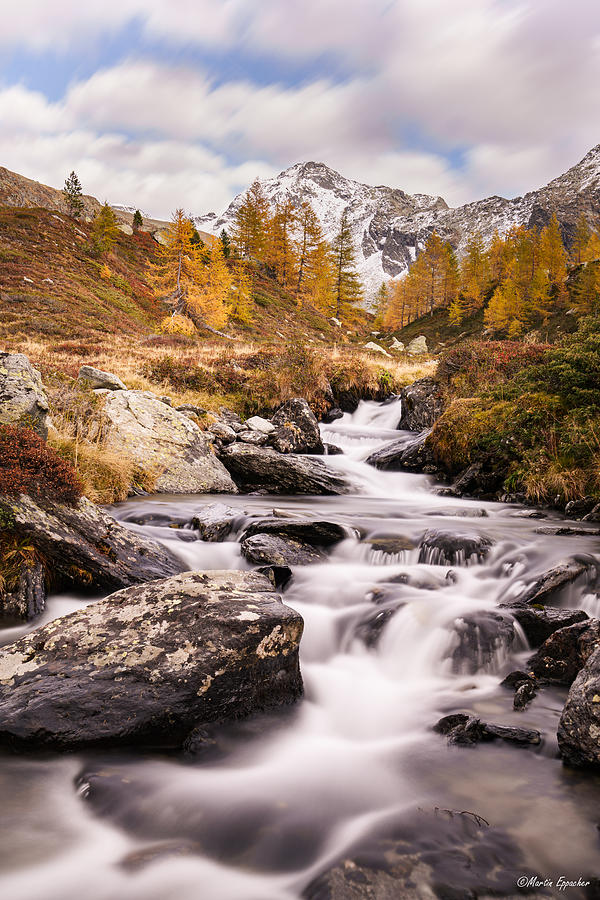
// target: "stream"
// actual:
[[286, 794]]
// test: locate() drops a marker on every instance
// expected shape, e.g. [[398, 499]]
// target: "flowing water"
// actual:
[[384, 655]]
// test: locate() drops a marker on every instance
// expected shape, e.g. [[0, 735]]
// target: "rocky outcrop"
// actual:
[[22, 397], [84, 546], [260, 468], [422, 404], [452, 548], [99, 380], [269, 549], [565, 652], [164, 443], [579, 727], [296, 429], [149, 663]]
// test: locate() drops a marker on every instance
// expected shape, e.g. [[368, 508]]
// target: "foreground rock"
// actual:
[[565, 652], [579, 727], [22, 397], [260, 468], [149, 663], [422, 404], [269, 549], [84, 546], [97, 379], [165, 444], [448, 548], [296, 429]]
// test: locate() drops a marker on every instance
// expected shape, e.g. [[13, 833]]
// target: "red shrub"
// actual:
[[482, 361], [29, 466]]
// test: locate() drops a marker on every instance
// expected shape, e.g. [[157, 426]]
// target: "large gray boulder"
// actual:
[[296, 429], [148, 664], [260, 468], [98, 379], [82, 545], [164, 443], [579, 727], [22, 397]]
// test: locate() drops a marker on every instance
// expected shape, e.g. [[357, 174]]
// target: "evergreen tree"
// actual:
[[225, 244], [73, 195], [347, 287], [137, 221], [105, 229]]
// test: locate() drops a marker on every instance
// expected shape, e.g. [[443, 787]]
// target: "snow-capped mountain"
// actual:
[[391, 226]]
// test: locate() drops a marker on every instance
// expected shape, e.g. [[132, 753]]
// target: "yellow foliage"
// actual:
[[105, 272], [177, 324]]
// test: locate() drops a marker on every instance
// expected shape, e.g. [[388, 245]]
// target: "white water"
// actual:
[[294, 790]]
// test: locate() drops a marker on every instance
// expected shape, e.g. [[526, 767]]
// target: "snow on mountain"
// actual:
[[390, 226]]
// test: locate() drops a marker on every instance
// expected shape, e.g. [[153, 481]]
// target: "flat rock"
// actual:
[[164, 443], [579, 727], [22, 397], [269, 549], [565, 652], [258, 423], [296, 429], [96, 378], [82, 545], [148, 664], [260, 468], [461, 728]]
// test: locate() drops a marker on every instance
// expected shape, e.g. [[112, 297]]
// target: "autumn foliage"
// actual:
[[29, 466]]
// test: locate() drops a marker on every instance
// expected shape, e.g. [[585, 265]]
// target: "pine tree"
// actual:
[[105, 229], [225, 244], [73, 195], [137, 221], [347, 286]]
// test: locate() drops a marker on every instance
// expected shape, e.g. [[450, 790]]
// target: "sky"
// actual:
[[162, 104]]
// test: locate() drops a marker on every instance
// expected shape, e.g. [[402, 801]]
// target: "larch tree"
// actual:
[[580, 241], [474, 272], [308, 248], [249, 233], [105, 230], [241, 306], [381, 304], [281, 253], [176, 263], [209, 292], [73, 195], [347, 289]]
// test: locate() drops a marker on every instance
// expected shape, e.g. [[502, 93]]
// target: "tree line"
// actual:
[[518, 279]]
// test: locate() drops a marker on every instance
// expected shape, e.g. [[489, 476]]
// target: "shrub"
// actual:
[[178, 324], [180, 374], [29, 466]]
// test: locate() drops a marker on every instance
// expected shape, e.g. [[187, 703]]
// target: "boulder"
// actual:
[[422, 404], [547, 588], [579, 726], [418, 345], [565, 652], [296, 429], [149, 663], [316, 532], [215, 521], [376, 348], [397, 345], [524, 686], [453, 548], [539, 624], [223, 432], [332, 450], [256, 438], [26, 597], [332, 415], [481, 638], [256, 468], [408, 454], [96, 378], [577, 509], [481, 479], [461, 728], [257, 423], [83, 545], [271, 550], [164, 443], [22, 397]]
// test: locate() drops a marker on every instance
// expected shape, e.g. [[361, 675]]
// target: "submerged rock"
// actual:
[[296, 429], [96, 378], [164, 443], [450, 548], [579, 727], [332, 415], [22, 397], [148, 664], [260, 468], [269, 549], [422, 404], [82, 545], [565, 652]]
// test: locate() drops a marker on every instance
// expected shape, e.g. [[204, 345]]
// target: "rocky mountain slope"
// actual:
[[390, 226]]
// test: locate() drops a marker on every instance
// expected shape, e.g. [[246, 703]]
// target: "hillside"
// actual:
[[390, 226]]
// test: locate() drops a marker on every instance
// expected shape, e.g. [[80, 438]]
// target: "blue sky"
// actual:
[[166, 103]]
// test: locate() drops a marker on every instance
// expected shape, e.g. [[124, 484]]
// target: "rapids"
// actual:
[[287, 793]]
